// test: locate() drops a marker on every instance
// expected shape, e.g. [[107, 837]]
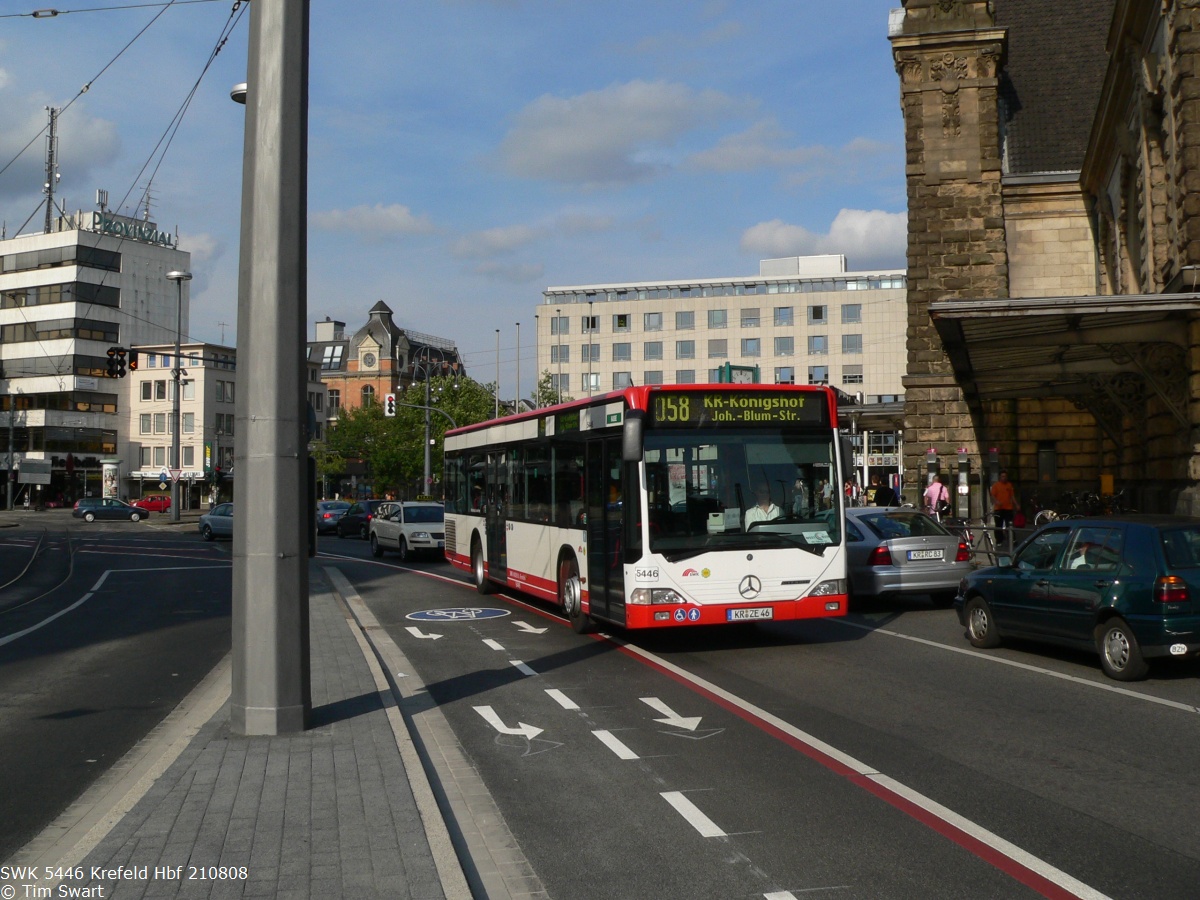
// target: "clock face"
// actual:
[[741, 376], [369, 360]]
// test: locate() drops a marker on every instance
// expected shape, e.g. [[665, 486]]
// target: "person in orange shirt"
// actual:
[[1004, 502]]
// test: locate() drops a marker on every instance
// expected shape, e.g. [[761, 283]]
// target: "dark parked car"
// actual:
[[1126, 588], [902, 551], [217, 522], [92, 508], [328, 513], [356, 520]]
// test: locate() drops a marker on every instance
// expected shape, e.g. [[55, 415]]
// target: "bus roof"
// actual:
[[639, 398]]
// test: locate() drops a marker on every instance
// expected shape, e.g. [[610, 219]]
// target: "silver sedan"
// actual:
[[901, 551], [217, 522]]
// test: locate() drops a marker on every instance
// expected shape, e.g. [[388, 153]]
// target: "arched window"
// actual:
[[368, 394]]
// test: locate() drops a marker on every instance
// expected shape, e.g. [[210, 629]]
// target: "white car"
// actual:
[[410, 528]]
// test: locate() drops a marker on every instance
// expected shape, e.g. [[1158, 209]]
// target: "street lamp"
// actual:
[[517, 393], [589, 347], [558, 328], [497, 373], [179, 278], [424, 367]]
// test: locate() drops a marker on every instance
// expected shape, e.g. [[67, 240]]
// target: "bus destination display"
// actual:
[[693, 408]]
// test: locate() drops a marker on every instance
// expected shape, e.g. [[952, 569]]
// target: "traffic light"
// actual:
[[120, 362], [216, 475], [389, 404], [112, 362], [133, 360]]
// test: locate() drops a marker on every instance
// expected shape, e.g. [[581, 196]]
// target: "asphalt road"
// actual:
[[879, 756], [145, 615]]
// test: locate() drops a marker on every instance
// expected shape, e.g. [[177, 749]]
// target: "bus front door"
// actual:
[[496, 516], [606, 493]]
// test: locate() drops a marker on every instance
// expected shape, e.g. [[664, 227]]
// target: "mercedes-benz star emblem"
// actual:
[[750, 587]]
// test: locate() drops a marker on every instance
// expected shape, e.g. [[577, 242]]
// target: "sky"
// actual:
[[464, 155]]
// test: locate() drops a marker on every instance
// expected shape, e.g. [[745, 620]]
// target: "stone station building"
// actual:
[[1053, 168]]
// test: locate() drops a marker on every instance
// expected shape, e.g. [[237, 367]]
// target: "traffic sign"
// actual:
[[175, 473]]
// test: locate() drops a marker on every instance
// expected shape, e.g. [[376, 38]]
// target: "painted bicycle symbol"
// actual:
[[457, 614]]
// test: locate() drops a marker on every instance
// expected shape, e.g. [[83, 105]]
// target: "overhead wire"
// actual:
[[236, 13]]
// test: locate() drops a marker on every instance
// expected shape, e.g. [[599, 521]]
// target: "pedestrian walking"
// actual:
[[1004, 503], [937, 498]]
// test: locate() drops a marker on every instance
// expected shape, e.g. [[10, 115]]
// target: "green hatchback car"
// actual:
[[1127, 588]]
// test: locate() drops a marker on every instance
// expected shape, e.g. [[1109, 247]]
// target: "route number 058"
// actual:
[[674, 409]]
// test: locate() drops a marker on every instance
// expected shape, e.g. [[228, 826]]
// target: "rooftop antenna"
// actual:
[[222, 324], [102, 200], [52, 175]]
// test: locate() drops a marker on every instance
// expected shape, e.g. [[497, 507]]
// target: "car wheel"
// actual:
[[135, 517], [376, 550], [1120, 656], [206, 532], [404, 551], [365, 531], [478, 573], [570, 596], [981, 626], [89, 517], [340, 532]]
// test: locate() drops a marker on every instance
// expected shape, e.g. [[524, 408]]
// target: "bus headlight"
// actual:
[[825, 588], [654, 597]]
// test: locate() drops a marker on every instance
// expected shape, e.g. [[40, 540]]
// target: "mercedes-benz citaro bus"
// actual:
[[657, 506]]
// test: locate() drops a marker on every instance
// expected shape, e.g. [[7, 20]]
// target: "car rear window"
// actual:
[[424, 514], [902, 525], [1182, 547]]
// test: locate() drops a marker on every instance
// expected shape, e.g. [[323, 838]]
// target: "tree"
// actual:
[[328, 461], [393, 448], [545, 395]]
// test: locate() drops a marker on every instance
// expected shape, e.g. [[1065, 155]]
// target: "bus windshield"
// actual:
[[734, 488]]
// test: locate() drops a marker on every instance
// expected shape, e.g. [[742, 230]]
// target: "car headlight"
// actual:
[[420, 535], [655, 597], [825, 588]]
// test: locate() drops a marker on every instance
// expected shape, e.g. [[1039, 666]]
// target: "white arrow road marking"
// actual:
[[673, 718], [417, 633], [698, 820], [495, 645], [609, 740], [524, 669], [562, 699], [489, 716], [529, 629]]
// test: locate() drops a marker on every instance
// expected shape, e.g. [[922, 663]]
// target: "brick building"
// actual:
[[1054, 236]]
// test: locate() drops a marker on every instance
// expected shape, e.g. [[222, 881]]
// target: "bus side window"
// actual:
[[568, 484]]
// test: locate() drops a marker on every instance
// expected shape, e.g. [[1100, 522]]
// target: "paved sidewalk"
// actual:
[[332, 812]]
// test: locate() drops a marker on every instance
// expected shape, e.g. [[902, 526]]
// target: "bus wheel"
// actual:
[[477, 571], [570, 595]]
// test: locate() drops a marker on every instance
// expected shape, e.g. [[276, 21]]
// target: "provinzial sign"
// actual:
[[133, 229], [693, 408]]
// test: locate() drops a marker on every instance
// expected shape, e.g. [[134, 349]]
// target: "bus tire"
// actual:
[[478, 574], [570, 595]]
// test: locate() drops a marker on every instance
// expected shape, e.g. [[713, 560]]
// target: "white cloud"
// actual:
[[764, 145], [495, 241], [612, 136], [516, 273], [204, 247], [378, 220], [85, 144], [5, 78], [870, 239]]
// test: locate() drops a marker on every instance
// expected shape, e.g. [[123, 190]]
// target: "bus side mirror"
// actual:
[[631, 436]]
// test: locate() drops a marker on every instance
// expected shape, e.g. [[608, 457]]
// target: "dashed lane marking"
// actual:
[[562, 699], [691, 813], [613, 743], [521, 667]]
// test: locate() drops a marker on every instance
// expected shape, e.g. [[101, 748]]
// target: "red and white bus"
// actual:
[[637, 508]]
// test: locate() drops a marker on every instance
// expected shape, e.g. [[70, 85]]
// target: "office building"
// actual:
[[94, 281]]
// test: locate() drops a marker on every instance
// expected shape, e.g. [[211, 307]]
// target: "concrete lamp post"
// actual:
[[176, 464]]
